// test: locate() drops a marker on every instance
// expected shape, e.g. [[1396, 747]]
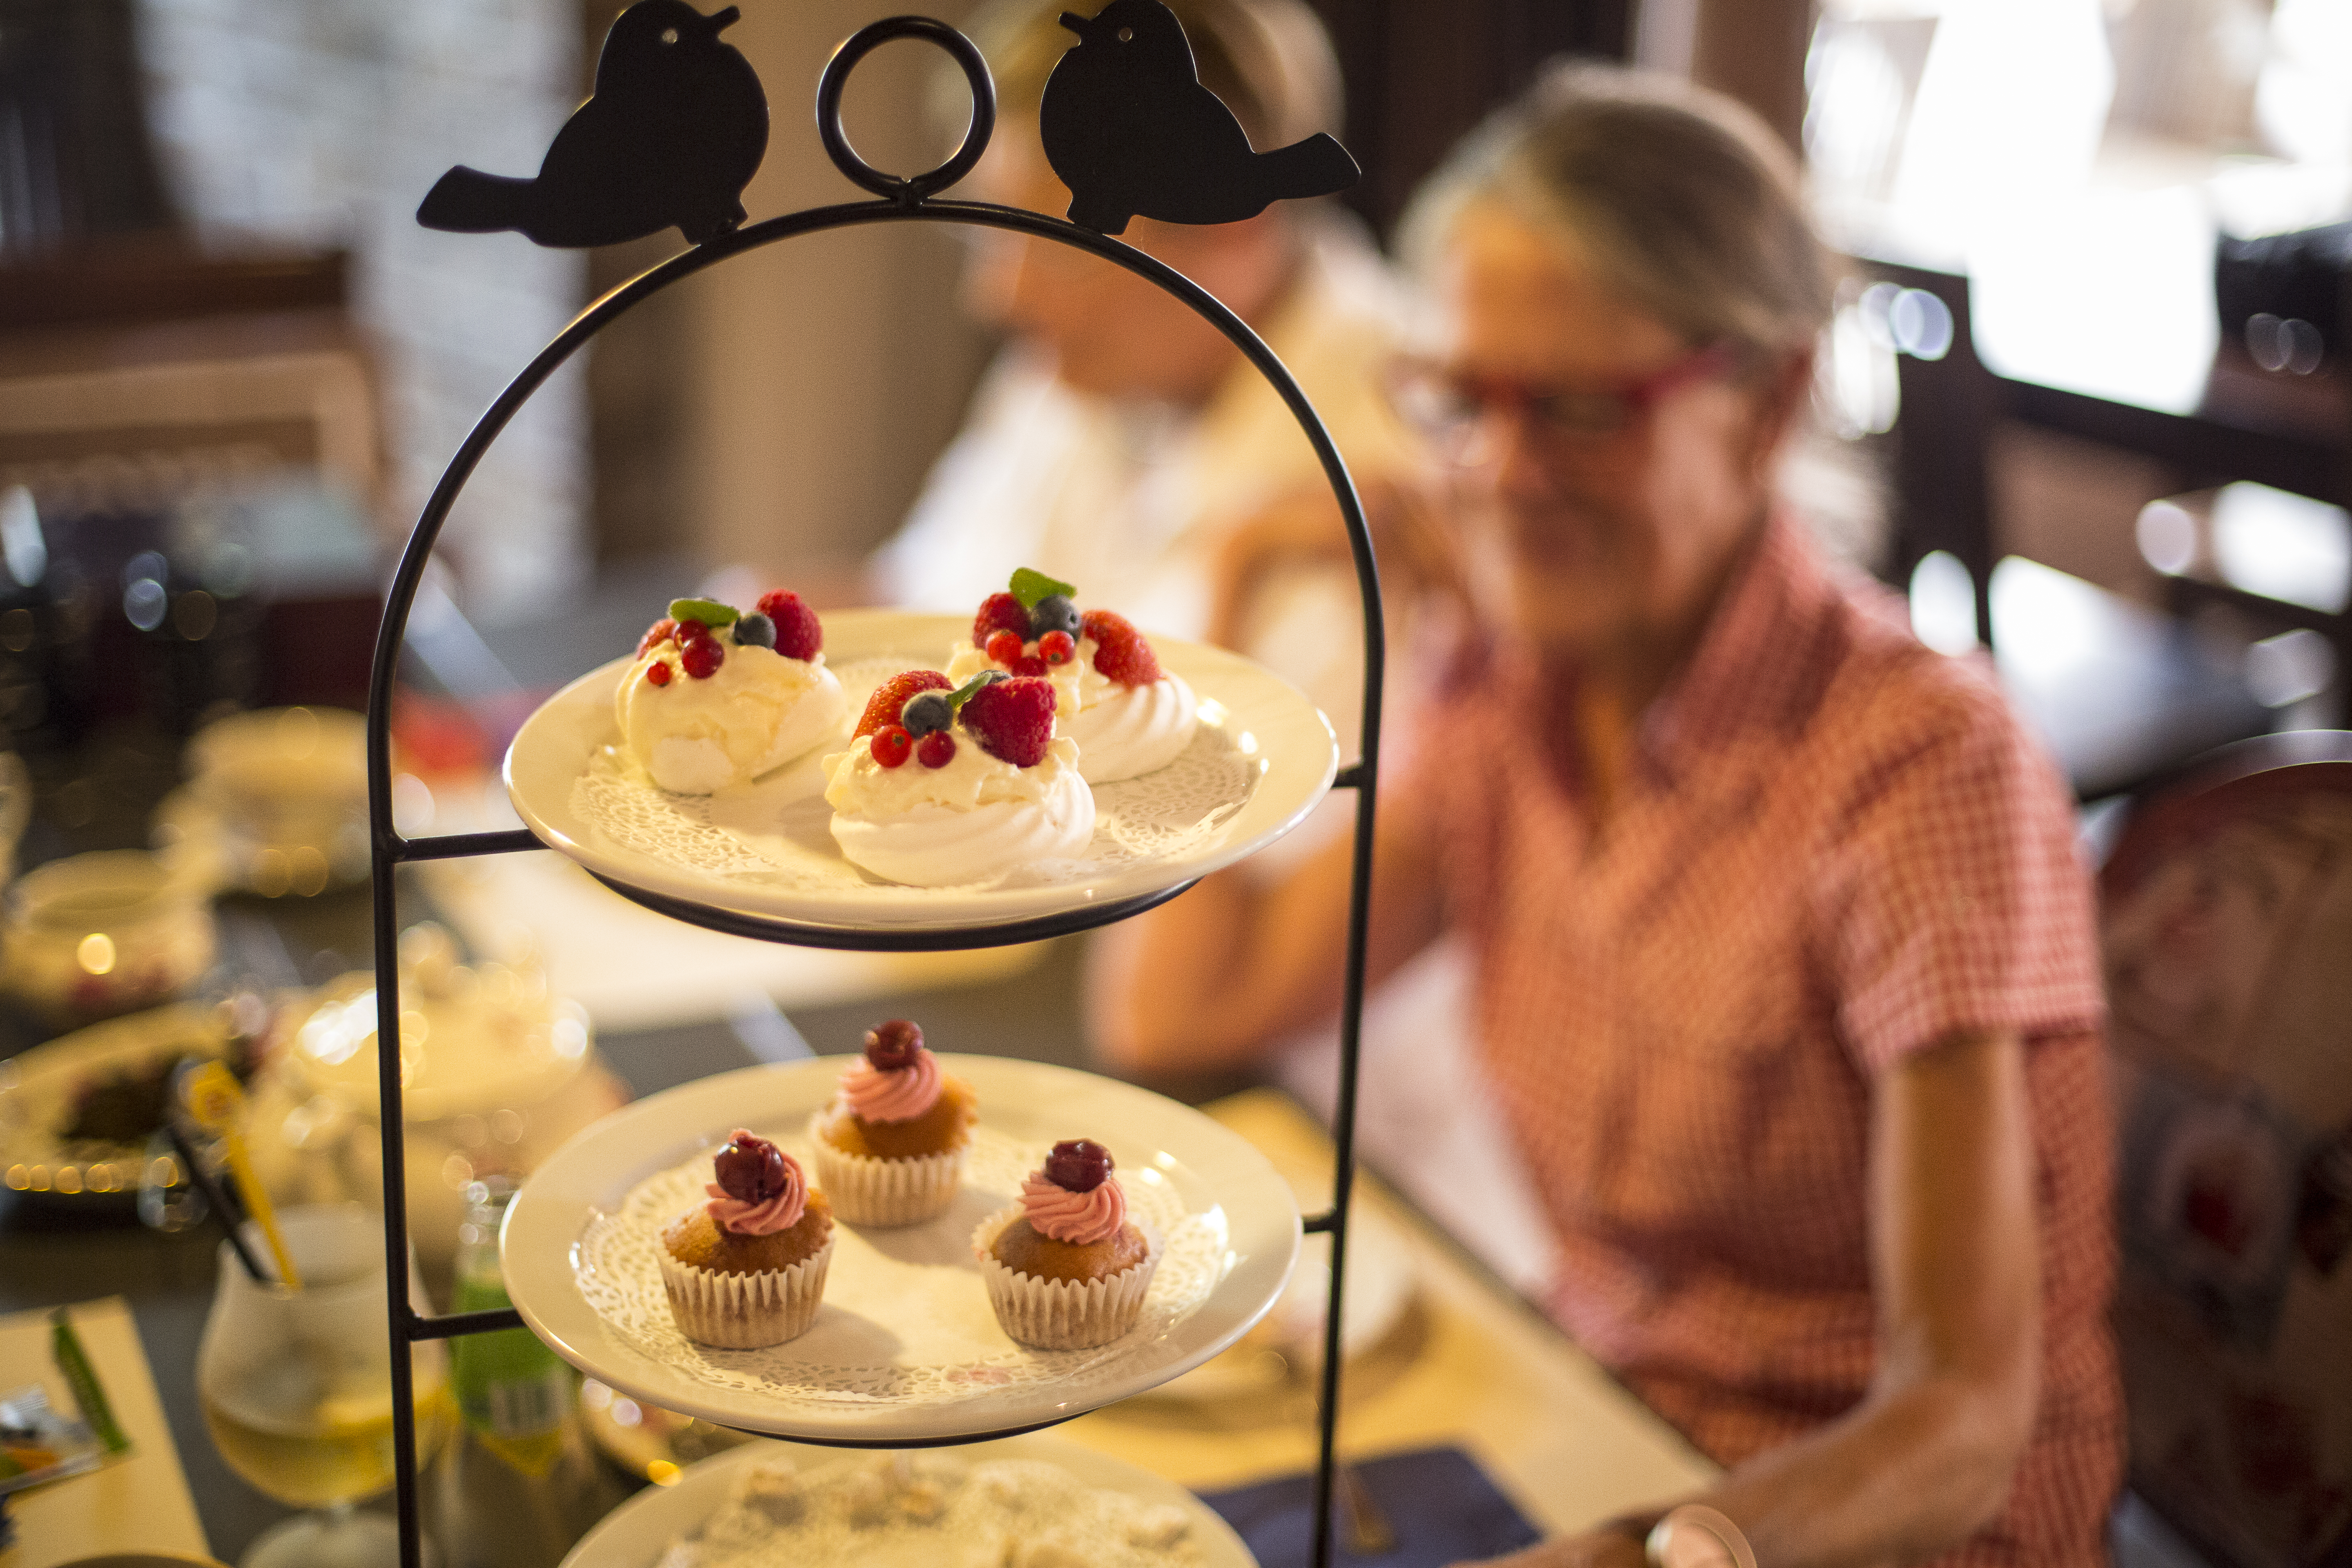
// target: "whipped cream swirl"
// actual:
[[900, 1094], [1078, 1218], [764, 1216]]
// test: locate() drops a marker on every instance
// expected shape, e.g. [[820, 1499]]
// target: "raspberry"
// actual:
[[892, 1046], [1003, 647], [1056, 648], [1029, 664], [1012, 719], [799, 634], [1078, 1165], [999, 613], [1120, 652], [891, 745], [749, 1169], [883, 706], [936, 750], [661, 631], [658, 673], [702, 656]]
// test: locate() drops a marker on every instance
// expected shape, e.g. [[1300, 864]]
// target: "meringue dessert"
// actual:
[[947, 786], [718, 698], [1128, 716]]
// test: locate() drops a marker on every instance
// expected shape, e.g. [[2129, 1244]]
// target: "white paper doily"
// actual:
[[1262, 757], [907, 1347]]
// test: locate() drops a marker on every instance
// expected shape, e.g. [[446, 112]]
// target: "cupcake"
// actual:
[[1066, 1268], [1126, 715], [718, 698], [747, 1268], [891, 1146]]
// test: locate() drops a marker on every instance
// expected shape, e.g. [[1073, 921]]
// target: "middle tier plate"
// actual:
[[759, 860], [906, 1348]]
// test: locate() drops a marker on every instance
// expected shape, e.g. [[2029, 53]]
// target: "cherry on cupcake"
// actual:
[[891, 1045], [1078, 1165], [751, 1168]]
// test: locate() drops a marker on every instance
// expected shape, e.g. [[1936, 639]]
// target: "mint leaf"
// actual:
[[710, 611], [1031, 587], [963, 694]]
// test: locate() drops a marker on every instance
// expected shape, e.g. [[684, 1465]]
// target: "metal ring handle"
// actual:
[[909, 189]]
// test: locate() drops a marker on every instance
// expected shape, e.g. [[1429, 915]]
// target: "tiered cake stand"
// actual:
[[1234, 1227]]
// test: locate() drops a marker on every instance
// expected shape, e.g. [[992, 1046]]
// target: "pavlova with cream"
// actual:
[[717, 696], [947, 783], [1128, 716]]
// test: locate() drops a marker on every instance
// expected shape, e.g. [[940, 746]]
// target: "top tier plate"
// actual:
[[760, 859]]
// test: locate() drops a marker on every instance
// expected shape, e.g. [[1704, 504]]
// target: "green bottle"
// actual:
[[518, 1486]]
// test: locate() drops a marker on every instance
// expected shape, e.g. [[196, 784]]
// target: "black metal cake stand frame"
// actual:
[[912, 199]]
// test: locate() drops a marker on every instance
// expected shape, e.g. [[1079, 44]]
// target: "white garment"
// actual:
[[1129, 501]]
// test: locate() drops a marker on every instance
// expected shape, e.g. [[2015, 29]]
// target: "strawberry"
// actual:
[[1012, 719], [1120, 652], [662, 630], [799, 634], [883, 706], [999, 613]]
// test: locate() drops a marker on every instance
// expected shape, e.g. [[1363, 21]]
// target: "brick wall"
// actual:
[[326, 121]]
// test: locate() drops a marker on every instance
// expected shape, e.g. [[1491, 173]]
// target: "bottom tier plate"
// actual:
[[638, 1533], [906, 1348]]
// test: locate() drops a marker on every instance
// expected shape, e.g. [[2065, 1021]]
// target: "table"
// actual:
[[1493, 1376]]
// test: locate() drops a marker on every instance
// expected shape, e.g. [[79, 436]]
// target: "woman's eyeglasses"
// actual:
[[1451, 410]]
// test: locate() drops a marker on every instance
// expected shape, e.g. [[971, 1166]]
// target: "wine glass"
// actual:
[[296, 1388]]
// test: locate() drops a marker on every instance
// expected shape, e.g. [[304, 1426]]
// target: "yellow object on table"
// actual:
[[140, 1502], [1490, 1376]]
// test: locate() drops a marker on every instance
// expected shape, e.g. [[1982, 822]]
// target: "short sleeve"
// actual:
[[1958, 901]]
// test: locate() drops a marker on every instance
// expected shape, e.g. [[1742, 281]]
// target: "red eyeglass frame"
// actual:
[[1491, 394]]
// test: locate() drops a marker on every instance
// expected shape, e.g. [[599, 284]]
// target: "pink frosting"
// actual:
[[899, 1094], [779, 1213], [1079, 1218]]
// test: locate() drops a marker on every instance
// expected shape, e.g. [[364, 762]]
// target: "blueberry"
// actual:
[[755, 630], [991, 676], [1053, 614], [926, 711]]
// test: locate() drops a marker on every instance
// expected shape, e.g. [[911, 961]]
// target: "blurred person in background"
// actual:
[[1784, 970], [1121, 443]]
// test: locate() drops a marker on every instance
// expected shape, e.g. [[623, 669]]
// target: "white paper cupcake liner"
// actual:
[[1062, 1314], [745, 1312], [864, 1189]]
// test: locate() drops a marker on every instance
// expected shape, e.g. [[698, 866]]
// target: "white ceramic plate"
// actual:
[[639, 1532], [907, 1348], [1263, 757], [38, 1089]]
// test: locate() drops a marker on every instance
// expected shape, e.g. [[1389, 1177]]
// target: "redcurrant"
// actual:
[[1029, 664], [1003, 648], [702, 656], [1057, 647], [936, 750], [658, 673], [891, 744]]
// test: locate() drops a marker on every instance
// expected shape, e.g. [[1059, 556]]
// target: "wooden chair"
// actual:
[[2227, 930]]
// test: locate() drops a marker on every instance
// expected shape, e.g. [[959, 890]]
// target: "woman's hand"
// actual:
[[1411, 536], [1603, 1548]]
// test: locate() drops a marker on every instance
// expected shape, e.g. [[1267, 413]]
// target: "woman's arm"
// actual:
[[1924, 1461], [1209, 979]]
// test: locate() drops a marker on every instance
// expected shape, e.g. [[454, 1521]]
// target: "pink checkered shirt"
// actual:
[[1840, 849]]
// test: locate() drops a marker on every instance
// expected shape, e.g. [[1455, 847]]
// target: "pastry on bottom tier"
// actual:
[[947, 786], [891, 1147], [747, 1268], [1066, 1268]]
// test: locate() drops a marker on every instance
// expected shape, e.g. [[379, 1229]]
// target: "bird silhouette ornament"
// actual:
[[1130, 130], [674, 130]]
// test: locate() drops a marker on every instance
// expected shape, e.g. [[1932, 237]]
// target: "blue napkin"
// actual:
[[1438, 1501]]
